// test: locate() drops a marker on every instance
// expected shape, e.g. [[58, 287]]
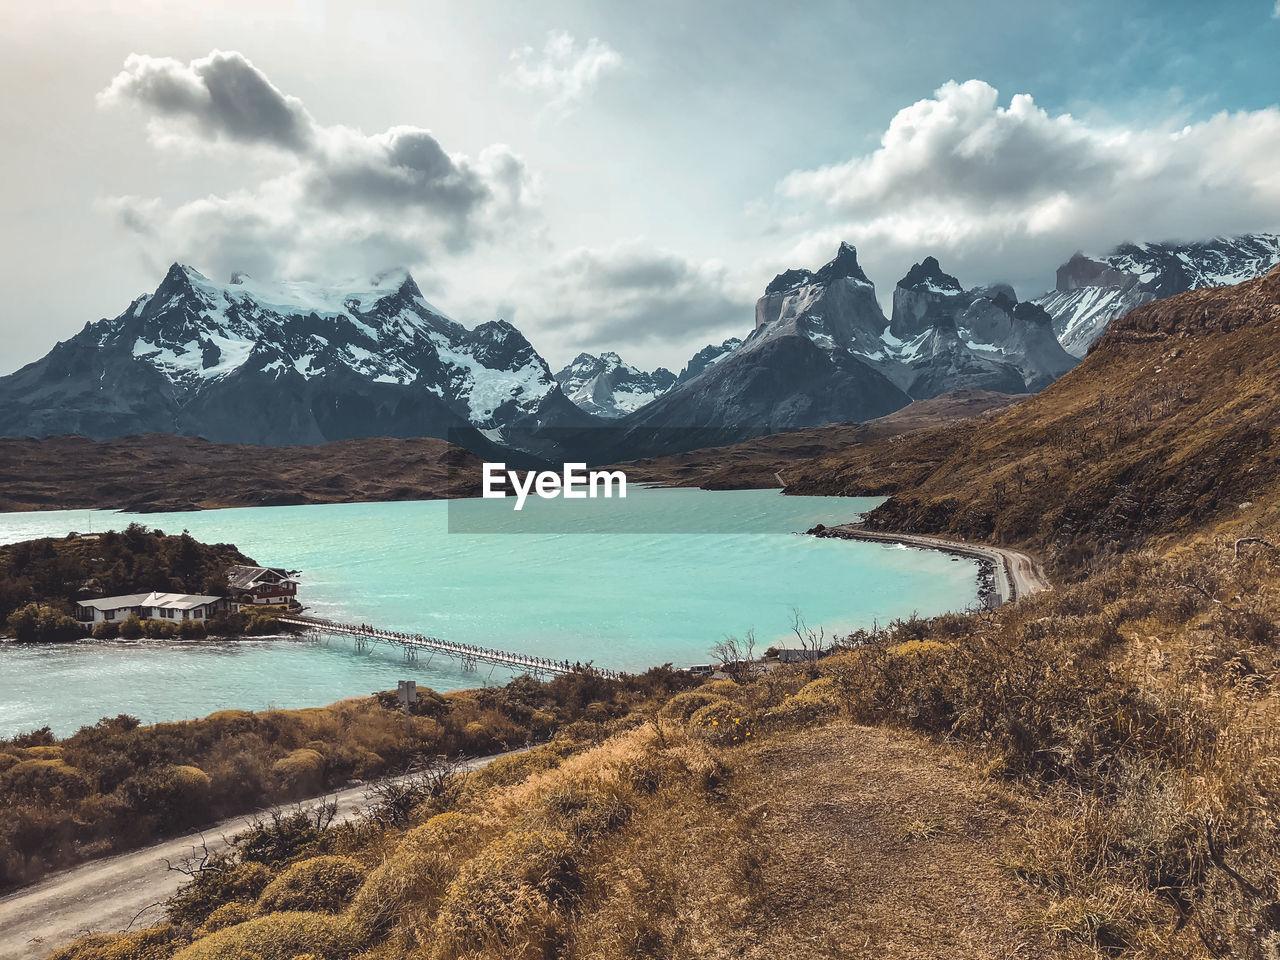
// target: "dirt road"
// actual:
[[127, 890], [1017, 574]]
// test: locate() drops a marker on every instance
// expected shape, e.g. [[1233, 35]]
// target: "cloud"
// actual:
[[344, 201], [632, 295], [222, 96], [1276, 12], [1008, 192], [564, 73]]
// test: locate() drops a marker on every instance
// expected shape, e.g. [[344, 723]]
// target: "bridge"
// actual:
[[469, 656]]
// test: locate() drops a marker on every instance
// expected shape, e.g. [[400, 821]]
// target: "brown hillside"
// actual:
[[156, 472], [755, 463], [1170, 422]]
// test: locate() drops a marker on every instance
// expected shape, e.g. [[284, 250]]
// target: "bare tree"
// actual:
[[812, 641], [737, 656], [435, 780]]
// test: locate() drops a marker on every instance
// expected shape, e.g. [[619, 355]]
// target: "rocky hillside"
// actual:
[[758, 463], [1169, 424], [1092, 291], [289, 363]]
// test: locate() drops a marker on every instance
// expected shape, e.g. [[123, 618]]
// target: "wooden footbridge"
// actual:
[[470, 657]]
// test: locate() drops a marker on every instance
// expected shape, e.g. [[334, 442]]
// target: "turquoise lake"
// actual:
[[628, 599]]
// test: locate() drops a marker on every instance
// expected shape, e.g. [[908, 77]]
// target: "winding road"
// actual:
[[1017, 573], [128, 891]]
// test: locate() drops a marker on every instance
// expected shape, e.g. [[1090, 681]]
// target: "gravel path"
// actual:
[[127, 891]]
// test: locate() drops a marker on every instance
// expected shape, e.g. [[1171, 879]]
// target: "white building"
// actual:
[[149, 606]]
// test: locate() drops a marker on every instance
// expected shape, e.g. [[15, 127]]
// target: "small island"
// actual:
[[137, 583]]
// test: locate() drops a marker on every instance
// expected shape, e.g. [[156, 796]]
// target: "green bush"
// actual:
[[277, 936], [106, 630], [321, 883], [192, 630], [159, 629], [41, 623], [131, 627]]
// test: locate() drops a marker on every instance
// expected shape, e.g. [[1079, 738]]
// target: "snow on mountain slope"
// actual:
[[1091, 292], [286, 363], [608, 387]]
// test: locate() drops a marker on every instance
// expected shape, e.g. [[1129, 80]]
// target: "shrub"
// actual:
[[226, 881], [7, 760], [131, 627], [106, 630], [415, 876], [227, 915], [814, 702], [584, 813], [281, 837], [684, 705], [42, 752], [170, 797], [300, 773], [43, 779], [159, 629], [192, 630], [511, 900], [514, 768], [321, 883], [723, 723], [154, 943], [41, 623], [277, 936]]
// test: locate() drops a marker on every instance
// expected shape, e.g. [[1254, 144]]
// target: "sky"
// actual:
[[613, 176]]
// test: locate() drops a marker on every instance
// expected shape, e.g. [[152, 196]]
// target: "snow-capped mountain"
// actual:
[[978, 339], [608, 387], [822, 351], [1092, 291], [287, 363], [711, 354]]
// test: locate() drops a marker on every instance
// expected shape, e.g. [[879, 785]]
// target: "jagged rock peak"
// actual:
[[843, 266], [789, 280], [928, 274]]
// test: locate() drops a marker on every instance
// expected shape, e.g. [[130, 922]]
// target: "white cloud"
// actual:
[[1276, 12], [652, 305], [1008, 192], [564, 73], [345, 200]]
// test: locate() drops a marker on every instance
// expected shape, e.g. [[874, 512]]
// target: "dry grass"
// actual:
[[118, 785]]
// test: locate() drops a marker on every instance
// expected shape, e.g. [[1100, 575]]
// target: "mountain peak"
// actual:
[[928, 274], [844, 266], [408, 286]]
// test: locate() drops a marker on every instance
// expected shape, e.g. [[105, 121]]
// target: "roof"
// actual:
[[115, 603], [177, 601], [241, 577]]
